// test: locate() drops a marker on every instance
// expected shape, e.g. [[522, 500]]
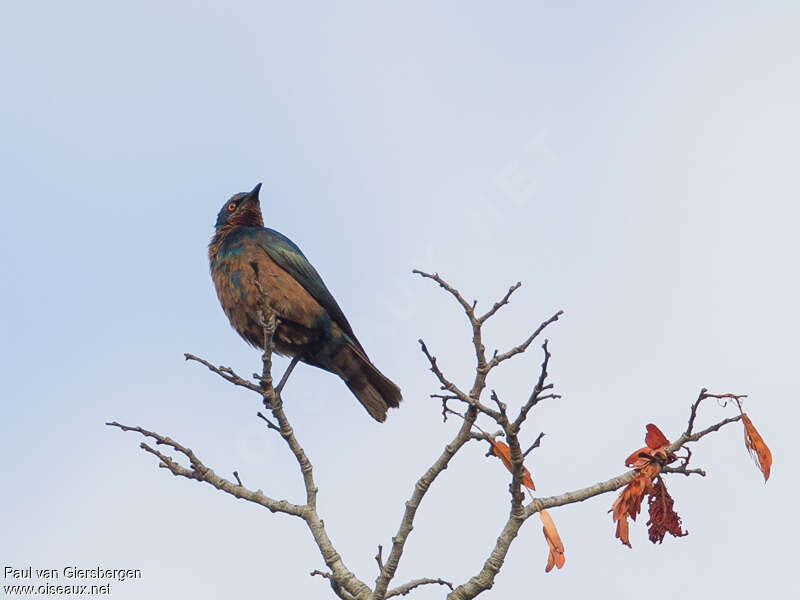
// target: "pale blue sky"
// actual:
[[634, 163]]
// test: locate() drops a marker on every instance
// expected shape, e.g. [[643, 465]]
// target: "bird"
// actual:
[[311, 327]]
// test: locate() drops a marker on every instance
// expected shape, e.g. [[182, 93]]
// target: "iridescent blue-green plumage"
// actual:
[[311, 324]]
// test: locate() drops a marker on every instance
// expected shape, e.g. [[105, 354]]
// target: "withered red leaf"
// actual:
[[663, 518], [756, 447], [654, 438]]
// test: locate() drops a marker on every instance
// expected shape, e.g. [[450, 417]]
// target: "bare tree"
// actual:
[[344, 583]]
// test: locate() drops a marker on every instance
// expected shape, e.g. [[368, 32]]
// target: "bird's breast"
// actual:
[[303, 321]]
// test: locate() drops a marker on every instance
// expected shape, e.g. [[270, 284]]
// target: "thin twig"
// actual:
[[682, 470], [468, 308], [498, 358], [269, 423], [501, 406], [702, 396], [453, 388], [537, 442], [536, 394], [285, 378], [226, 373], [402, 590], [337, 589], [199, 472], [502, 302], [324, 574], [716, 427], [693, 411], [481, 367]]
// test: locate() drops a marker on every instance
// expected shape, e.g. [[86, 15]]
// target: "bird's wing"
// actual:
[[292, 260]]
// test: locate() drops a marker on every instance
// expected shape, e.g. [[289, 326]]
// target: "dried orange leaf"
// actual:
[[622, 532], [503, 452], [556, 556], [629, 501], [756, 447], [639, 458], [649, 472]]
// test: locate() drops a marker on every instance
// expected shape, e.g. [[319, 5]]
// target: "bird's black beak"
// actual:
[[254, 194]]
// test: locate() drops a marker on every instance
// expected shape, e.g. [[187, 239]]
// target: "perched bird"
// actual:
[[311, 326]]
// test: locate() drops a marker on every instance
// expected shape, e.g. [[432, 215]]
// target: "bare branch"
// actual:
[[736, 397], [683, 470], [269, 423], [448, 385], [697, 436], [501, 406], [468, 308], [226, 373], [484, 579], [402, 590], [498, 305], [537, 442], [702, 396], [286, 374], [324, 574], [498, 358], [472, 399], [693, 411], [200, 472], [344, 582], [337, 589], [481, 369], [420, 489], [517, 471], [536, 396], [287, 433]]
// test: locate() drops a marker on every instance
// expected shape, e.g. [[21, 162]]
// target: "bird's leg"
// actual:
[[284, 379]]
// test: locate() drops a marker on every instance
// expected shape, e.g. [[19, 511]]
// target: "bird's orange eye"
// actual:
[[232, 206]]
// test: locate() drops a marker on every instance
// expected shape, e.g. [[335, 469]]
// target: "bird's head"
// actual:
[[242, 210]]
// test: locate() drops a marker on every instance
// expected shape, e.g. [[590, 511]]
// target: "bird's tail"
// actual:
[[374, 390]]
